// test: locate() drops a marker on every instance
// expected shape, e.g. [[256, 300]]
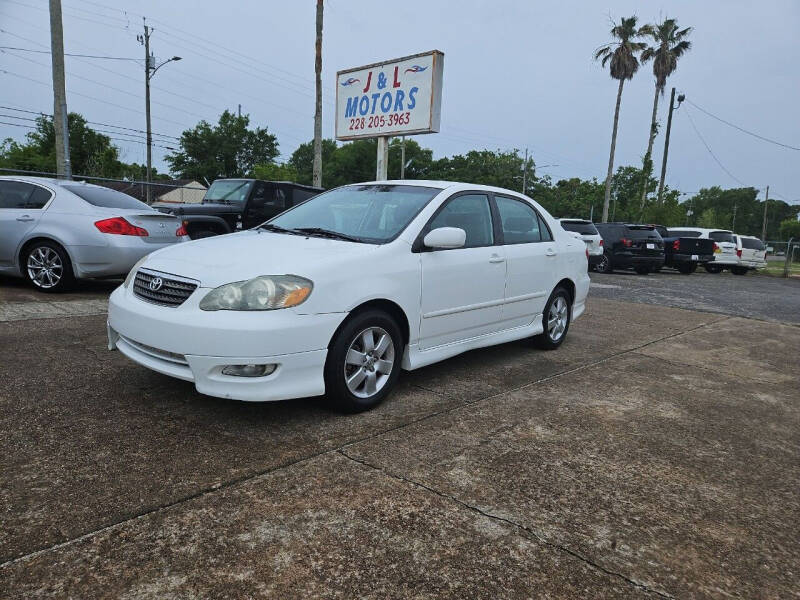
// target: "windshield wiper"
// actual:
[[328, 233], [278, 229]]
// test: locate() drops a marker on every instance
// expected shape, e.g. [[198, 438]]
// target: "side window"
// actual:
[[16, 194], [547, 235], [520, 222], [471, 213]]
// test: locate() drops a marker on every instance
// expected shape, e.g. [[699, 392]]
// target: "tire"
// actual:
[[713, 269], [558, 307], [604, 266], [657, 269], [47, 267], [687, 268], [739, 270], [204, 233], [347, 346], [642, 270]]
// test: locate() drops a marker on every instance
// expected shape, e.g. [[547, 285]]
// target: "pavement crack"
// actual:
[[528, 530]]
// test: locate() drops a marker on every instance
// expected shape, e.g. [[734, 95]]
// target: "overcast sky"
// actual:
[[517, 74]]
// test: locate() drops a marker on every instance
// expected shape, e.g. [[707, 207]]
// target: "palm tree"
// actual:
[[620, 55], [669, 44]]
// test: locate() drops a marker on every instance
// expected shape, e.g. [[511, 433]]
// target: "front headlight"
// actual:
[[267, 292], [132, 272]]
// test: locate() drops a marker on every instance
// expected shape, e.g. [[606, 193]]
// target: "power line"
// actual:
[[69, 54], [755, 135], [711, 152]]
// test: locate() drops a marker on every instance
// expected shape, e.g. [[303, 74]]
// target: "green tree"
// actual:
[[91, 153], [708, 219], [229, 149], [275, 172], [302, 160], [621, 56], [790, 228], [669, 44], [500, 168]]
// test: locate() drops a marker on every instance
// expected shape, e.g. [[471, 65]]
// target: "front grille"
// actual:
[[173, 291], [156, 352]]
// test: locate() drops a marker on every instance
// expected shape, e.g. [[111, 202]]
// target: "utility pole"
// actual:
[[403, 157], [764, 224], [60, 124], [525, 172], [240, 110], [317, 167], [733, 225], [148, 60], [666, 143]]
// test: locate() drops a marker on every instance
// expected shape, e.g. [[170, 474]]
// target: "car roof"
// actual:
[[701, 229], [49, 181], [441, 184], [575, 220]]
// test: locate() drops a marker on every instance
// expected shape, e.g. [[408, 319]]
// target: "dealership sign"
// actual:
[[396, 97]]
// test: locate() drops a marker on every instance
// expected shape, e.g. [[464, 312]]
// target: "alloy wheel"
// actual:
[[45, 268], [369, 362], [557, 318]]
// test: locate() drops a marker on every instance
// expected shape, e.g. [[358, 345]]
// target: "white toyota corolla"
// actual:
[[340, 293]]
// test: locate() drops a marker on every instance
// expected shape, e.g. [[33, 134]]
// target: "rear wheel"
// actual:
[[555, 320], [687, 268], [47, 267], [363, 361], [739, 270], [604, 266], [713, 268]]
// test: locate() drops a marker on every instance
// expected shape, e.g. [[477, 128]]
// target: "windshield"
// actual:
[[374, 213], [687, 233], [228, 191], [100, 196], [642, 232], [722, 236], [582, 227]]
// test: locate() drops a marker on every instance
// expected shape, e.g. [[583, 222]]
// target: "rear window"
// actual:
[[752, 244], [722, 236], [582, 227], [675, 233], [642, 231], [99, 196]]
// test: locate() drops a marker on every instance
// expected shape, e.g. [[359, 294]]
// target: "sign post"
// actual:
[[396, 97]]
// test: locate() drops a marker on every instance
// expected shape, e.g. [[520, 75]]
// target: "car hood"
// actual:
[[239, 256]]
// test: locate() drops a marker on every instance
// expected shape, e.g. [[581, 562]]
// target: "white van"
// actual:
[[725, 256], [752, 254]]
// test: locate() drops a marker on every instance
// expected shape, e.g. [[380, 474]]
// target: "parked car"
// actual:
[[53, 231], [724, 246], [752, 254], [233, 204], [630, 246], [684, 253], [340, 293], [589, 234]]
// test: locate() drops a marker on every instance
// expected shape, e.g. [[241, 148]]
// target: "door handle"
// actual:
[[25, 218], [550, 252], [496, 259]]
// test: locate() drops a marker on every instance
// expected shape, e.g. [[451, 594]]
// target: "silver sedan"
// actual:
[[53, 231]]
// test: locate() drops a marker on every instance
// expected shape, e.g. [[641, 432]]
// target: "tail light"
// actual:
[[716, 246], [739, 253], [181, 231], [601, 242], [676, 245], [587, 253], [119, 226], [626, 242]]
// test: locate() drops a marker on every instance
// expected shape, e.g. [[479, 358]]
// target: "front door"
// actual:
[[462, 288], [20, 209]]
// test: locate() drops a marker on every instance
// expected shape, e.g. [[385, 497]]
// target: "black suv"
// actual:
[[629, 246]]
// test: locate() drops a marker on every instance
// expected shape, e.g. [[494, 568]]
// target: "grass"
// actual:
[[775, 268]]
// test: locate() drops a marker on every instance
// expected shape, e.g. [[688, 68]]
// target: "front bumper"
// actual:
[[194, 345]]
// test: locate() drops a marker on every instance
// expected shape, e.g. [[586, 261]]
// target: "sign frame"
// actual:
[[435, 112]]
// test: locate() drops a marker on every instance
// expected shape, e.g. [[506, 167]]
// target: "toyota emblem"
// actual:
[[156, 283]]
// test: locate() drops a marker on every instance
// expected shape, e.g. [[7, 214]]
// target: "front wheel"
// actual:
[[739, 270], [47, 267], [555, 320], [687, 268], [604, 266], [363, 361], [713, 269]]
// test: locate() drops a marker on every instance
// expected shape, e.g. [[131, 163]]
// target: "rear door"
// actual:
[[462, 288], [21, 207], [532, 259]]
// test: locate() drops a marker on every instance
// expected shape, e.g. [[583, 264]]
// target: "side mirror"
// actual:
[[444, 238]]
